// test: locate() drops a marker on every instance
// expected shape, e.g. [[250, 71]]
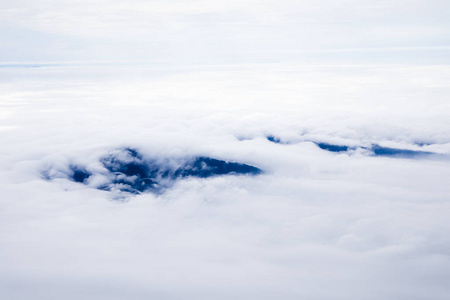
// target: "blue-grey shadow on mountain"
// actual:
[[127, 170]]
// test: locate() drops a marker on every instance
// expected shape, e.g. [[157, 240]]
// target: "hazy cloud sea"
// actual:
[[352, 201]]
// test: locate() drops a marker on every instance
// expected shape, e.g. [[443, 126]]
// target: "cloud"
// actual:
[[360, 225]]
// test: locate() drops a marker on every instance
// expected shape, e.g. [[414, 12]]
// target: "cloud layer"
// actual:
[[317, 224]]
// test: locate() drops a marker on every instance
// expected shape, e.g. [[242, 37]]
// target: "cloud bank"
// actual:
[[316, 224], [224, 150]]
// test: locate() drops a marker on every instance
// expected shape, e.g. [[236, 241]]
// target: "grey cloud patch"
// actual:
[[129, 171]]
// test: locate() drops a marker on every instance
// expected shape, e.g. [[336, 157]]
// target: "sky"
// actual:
[[275, 85], [205, 32]]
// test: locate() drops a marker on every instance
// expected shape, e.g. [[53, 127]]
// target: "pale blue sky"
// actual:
[[325, 31]]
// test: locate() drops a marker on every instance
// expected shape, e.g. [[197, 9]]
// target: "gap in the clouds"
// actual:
[[127, 170], [377, 150], [79, 174], [277, 140], [373, 149], [333, 148], [273, 139], [132, 172], [399, 153]]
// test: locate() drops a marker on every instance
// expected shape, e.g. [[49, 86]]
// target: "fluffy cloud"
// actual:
[[317, 224]]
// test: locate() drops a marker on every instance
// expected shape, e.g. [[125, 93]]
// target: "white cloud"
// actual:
[[316, 225]]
